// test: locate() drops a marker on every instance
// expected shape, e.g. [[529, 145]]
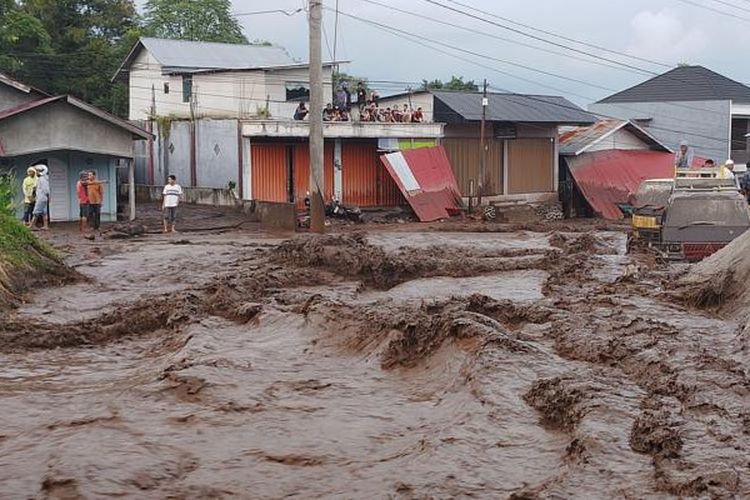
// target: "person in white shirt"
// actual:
[[170, 200], [727, 172]]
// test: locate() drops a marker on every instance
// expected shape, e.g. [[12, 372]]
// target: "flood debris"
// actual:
[[719, 282], [601, 386]]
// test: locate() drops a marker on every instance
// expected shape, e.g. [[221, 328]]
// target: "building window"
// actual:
[[187, 88], [166, 88], [297, 91]]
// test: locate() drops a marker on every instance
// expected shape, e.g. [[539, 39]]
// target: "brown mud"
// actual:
[[361, 365]]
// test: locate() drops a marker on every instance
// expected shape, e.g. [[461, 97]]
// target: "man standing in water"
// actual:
[[170, 199], [95, 192], [83, 200], [41, 205], [29, 195]]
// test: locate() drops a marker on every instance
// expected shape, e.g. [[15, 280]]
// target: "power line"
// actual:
[[273, 11], [712, 9], [504, 39], [544, 40], [402, 34]]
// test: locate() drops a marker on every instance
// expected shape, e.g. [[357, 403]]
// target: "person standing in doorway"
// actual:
[[170, 200], [29, 195], [83, 200], [95, 191], [41, 205]]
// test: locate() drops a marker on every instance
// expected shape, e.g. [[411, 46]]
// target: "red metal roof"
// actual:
[[607, 178], [425, 178]]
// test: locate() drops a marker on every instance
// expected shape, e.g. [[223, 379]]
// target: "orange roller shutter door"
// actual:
[[366, 182], [302, 172], [269, 172]]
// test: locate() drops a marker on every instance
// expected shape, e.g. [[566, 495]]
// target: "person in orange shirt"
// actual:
[[83, 199], [96, 196]]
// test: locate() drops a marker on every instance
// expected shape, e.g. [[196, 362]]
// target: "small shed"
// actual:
[[69, 136], [603, 164]]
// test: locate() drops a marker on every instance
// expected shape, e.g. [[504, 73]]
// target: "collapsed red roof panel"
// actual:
[[608, 178], [426, 180]]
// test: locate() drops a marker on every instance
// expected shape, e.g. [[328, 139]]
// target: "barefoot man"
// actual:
[[170, 199]]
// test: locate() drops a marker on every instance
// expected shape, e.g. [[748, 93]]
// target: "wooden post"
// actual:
[[131, 188], [317, 208], [482, 160]]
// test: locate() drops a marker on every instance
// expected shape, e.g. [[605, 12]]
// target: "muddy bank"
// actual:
[[26, 263]]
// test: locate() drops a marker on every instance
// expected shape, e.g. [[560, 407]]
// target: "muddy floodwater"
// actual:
[[382, 365]]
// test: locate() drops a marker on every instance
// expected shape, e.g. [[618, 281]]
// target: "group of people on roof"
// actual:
[[368, 108]]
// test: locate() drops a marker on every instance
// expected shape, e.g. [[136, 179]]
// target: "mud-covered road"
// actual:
[[394, 364]]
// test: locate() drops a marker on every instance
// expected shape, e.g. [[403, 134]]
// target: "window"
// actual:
[[166, 88], [297, 91], [187, 88]]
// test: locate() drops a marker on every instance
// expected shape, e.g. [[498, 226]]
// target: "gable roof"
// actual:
[[185, 56], [578, 140], [684, 83], [452, 107], [136, 132], [22, 87]]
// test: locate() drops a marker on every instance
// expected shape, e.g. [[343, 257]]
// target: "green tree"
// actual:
[[202, 20], [20, 34], [69, 46], [455, 83]]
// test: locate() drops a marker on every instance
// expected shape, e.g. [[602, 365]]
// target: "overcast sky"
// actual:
[[665, 31]]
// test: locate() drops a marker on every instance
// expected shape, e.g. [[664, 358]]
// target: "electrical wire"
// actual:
[[562, 37]]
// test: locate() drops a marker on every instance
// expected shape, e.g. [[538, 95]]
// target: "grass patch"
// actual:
[[25, 262]]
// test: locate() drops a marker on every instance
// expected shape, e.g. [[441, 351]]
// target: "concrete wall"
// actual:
[[225, 94], [194, 196], [216, 150], [217, 153], [11, 97], [177, 147], [354, 129], [61, 126], [704, 124]]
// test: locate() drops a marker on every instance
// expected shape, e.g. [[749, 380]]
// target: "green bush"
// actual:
[[8, 194]]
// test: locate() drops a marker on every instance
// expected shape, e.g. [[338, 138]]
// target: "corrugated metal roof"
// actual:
[[577, 140], [185, 56], [684, 83], [118, 122], [189, 55], [467, 106], [425, 178], [608, 178]]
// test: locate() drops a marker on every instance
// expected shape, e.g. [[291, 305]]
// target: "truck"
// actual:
[[689, 217]]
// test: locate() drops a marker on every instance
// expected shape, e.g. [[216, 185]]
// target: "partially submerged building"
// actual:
[[521, 139], [68, 136], [603, 164]]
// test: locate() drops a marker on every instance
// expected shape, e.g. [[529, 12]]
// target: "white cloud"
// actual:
[[665, 37]]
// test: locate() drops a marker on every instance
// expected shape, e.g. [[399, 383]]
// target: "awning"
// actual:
[[608, 178], [426, 180]]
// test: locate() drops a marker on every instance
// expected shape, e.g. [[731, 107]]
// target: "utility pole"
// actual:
[[317, 210], [482, 161]]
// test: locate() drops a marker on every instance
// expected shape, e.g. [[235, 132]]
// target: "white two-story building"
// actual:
[[222, 114]]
